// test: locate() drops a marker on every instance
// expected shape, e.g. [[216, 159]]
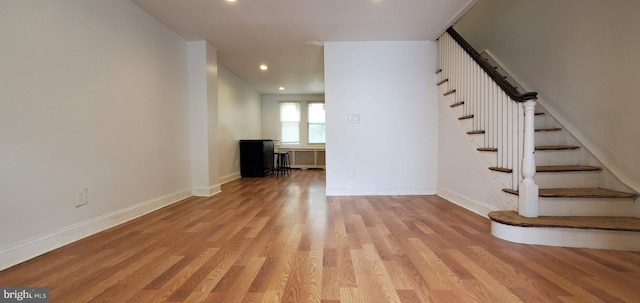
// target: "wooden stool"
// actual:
[[282, 165]]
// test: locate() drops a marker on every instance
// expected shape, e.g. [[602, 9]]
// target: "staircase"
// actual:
[[579, 203]]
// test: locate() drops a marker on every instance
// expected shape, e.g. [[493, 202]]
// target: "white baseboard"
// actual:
[[568, 237], [380, 192], [206, 191], [230, 177], [39, 245], [468, 203]]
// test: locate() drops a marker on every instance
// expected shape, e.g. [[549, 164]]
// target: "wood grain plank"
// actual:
[[493, 287], [132, 285], [282, 240], [186, 272], [551, 275], [234, 290]]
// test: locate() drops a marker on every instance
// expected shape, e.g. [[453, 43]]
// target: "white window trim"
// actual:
[[303, 126], [307, 123], [280, 122]]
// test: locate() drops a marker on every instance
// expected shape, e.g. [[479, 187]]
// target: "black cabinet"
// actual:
[[256, 157]]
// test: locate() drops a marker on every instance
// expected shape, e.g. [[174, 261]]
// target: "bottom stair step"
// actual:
[[602, 223], [601, 232]]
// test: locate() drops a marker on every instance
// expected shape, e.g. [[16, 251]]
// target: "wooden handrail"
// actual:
[[497, 78]]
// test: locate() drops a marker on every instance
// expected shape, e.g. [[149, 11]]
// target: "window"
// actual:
[[302, 122], [316, 123], [290, 122]]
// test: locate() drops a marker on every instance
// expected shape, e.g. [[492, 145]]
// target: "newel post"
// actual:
[[528, 190]]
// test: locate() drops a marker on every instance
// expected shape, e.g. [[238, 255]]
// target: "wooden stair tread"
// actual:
[[489, 149], [603, 223], [501, 169], [443, 81], [449, 92], [565, 168], [465, 117], [556, 147], [456, 104], [475, 132], [540, 147], [553, 168], [438, 71], [587, 192], [551, 129]]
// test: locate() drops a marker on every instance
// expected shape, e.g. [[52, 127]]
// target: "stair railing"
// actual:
[[505, 115]]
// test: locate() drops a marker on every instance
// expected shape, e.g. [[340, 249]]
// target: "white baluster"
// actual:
[[485, 108], [477, 108], [513, 116], [528, 191], [505, 101]]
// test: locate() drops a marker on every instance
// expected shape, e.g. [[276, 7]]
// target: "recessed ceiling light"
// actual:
[[264, 67], [231, 0], [281, 88]]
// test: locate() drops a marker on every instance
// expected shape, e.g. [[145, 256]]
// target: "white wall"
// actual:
[[271, 112], [581, 56], [92, 94], [203, 113], [463, 178], [201, 162], [239, 117], [394, 148], [212, 120]]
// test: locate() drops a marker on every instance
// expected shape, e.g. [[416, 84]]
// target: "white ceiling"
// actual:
[[287, 35]]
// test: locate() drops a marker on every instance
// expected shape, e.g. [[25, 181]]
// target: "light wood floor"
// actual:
[[281, 240]]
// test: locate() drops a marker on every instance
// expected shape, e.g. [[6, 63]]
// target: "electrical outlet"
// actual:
[[352, 172], [81, 197]]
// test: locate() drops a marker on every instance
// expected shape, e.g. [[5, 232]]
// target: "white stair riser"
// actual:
[[569, 237], [555, 180], [545, 121], [557, 157], [567, 179], [549, 138], [554, 138], [585, 207]]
